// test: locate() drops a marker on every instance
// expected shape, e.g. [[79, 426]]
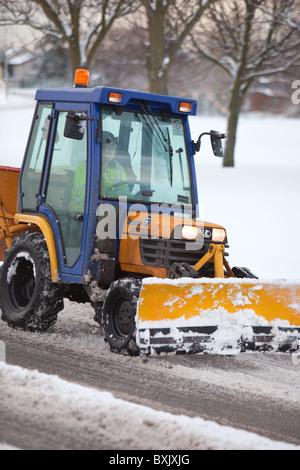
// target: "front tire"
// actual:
[[118, 316], [28, 298]]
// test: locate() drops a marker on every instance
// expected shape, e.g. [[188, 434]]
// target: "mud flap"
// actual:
[[220, 316]]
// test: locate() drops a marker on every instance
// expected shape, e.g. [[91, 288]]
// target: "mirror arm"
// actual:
[[197, 144]]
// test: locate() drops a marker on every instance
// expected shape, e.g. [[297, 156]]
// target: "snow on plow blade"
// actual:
[[218, 316]]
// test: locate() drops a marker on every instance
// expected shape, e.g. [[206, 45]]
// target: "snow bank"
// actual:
[[122, 425]]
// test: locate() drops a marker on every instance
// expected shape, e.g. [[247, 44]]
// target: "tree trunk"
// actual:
[[235, 105], [75, 55], [158, 68]]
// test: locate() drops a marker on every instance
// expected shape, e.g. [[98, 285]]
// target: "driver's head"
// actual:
[[108, 137]]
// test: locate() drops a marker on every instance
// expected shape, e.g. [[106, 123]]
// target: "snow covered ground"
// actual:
[[257, 202], [126, 426]]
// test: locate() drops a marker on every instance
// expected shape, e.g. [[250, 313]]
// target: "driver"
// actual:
[[113, 174]]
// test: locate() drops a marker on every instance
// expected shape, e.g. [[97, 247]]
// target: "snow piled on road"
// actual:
[[81, 410]]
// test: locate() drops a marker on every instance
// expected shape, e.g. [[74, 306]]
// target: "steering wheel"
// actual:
[[120, 183], [142, 184]]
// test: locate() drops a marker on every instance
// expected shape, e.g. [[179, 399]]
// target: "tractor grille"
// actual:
[[163, 253]]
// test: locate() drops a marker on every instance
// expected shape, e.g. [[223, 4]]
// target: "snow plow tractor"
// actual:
[[104, 209]]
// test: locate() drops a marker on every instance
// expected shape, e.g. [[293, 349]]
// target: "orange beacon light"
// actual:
[[81, 78]]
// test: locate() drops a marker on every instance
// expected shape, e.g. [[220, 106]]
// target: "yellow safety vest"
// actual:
[[113, 173]]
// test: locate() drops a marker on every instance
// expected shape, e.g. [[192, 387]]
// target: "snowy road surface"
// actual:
[[107, 401]]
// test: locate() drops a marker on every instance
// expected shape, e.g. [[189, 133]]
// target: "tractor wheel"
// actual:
[[118, 316], [28, 298]]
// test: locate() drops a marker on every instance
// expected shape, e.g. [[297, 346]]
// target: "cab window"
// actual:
[[34, 158]]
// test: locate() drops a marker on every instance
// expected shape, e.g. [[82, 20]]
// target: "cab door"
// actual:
[[64, 195]]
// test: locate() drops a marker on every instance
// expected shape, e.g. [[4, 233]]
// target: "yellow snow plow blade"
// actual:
[[217, 315]]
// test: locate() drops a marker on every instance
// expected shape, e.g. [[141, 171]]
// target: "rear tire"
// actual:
[[28, 298], [118, 316]]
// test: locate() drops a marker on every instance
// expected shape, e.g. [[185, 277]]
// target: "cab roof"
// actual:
[[100, 94]]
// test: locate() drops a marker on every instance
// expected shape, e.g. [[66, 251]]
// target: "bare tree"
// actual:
[[80, 24], [120, 61], [169, 22], [249, 39]]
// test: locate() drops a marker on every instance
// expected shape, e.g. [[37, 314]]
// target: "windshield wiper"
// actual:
[[146, 109], [170, 157], [159, 132]]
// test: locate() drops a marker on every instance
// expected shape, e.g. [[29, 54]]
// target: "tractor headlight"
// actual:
[[189, 232], [218, 235]]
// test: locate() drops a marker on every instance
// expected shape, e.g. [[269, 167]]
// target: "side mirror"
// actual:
[[216, 143], [75, 125]]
